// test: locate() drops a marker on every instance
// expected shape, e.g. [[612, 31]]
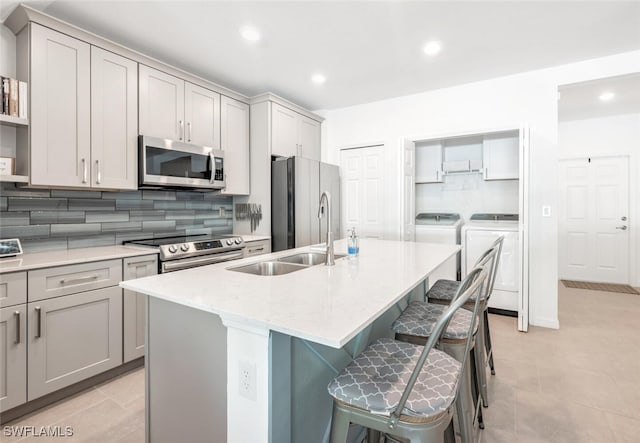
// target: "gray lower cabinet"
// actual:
[[13, 289], [133, 305], [257, 247], [72, 337], [13, 356]]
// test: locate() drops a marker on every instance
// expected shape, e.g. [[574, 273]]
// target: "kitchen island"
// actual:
[[267, 346]]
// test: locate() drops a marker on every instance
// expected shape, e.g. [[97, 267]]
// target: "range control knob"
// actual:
[[173, 249], [184, 247], [238, 241], [229, 242]]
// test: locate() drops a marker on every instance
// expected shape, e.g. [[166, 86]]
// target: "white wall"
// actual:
[[528, 98], [611, 135]]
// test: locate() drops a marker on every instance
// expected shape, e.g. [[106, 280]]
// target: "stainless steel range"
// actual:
[[185, 252]]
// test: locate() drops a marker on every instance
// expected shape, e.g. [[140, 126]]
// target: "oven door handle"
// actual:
[[200, 261]]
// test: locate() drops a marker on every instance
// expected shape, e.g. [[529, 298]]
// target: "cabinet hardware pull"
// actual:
[[98, 179], [181, 123], [17, 316], [84, 170], [77, 279], [624, 227], [189, 128], [38, 322], [257, 249], [133, 263]]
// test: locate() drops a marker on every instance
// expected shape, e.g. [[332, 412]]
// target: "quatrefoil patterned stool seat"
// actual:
[[376, 379], [419, 318], [443, 291]]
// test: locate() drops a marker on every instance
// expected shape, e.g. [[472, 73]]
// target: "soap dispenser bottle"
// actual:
[[353, 246]]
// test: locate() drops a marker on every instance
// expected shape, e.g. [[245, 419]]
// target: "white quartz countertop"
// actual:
[[324, 304], [37, 260]]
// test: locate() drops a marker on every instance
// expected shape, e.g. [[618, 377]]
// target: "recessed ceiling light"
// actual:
[[432, 48], [318, 79], [606, 96], [250, 33]]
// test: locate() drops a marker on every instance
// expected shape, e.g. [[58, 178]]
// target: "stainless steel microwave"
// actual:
[[168, 163]]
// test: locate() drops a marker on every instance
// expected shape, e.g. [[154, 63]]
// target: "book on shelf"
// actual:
[[14, 96]]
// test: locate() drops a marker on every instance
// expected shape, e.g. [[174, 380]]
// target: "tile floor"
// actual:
[[577, 384]]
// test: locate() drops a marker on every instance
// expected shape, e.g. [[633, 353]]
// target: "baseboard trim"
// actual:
[[545, 323], [505, 312], [46, 400]]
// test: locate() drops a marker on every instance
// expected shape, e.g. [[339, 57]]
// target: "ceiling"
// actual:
[[582, 100], [368, 51]]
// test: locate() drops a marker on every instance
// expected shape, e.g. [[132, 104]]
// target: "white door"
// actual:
[[594, 210], [363, 201]]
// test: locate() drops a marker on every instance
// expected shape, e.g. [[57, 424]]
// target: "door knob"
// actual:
[[624, 227], [623, 218]]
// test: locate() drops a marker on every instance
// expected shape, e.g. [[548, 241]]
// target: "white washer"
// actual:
[[441, 228], [477, 236]]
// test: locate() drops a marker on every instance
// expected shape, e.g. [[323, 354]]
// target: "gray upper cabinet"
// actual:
[[114, 121], [234, 124], [72, 338], [309, 138], [294, 134], [178, 110], [161, 107], [284, 131], [83, 114], [202, 116], [133, 306], [13, 356], [60, 70]]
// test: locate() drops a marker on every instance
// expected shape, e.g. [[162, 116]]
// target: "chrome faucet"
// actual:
[[326, 197]]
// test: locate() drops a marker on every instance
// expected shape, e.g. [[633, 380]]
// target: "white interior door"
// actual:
[[408, 194], [594, 211], [361, 175]]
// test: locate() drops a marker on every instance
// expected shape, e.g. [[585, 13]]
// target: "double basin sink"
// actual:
[[285, 265]]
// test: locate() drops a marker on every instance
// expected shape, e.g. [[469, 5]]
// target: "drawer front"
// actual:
[[258, 247], [72, 338], [133, 306], [13, 289], [65, 280]]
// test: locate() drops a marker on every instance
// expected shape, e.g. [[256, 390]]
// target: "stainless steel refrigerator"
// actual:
[[296, 186]]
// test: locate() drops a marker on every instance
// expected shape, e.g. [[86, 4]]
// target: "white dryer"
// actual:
[[445, 228], [477, 236]]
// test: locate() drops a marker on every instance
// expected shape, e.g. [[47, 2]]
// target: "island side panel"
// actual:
[[300, 372], [186, 374]]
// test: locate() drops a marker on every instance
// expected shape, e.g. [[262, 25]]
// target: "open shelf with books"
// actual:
[[10, 120], [14, 178]]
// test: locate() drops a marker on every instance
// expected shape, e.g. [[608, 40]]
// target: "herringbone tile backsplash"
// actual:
[[57, 219]]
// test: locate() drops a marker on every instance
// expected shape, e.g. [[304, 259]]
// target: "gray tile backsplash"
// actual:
[[48, 220]]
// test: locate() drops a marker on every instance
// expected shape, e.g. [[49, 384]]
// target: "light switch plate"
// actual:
[[546, 211]]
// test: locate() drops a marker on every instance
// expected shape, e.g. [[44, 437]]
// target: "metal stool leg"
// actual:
[[339, 426], [475, 385], [487, 341], [480, 363], [373, 436], [449, 434]]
